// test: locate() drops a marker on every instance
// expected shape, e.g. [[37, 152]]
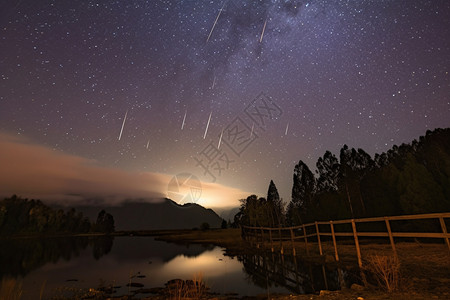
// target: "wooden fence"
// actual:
[[265, 236]]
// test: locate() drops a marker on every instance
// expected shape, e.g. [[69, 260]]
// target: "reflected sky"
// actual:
[[158, 261]]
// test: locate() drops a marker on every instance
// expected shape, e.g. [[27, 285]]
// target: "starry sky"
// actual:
[[113, 98]]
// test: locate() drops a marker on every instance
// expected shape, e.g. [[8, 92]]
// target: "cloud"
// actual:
[[35, 171]]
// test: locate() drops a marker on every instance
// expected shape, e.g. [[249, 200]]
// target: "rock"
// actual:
[[324, 292], [357, 287], [175, 282]]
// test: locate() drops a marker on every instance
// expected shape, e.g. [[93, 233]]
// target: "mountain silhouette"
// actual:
[[165, 214]]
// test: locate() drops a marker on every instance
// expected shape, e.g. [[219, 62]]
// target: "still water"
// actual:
[[52, 265]]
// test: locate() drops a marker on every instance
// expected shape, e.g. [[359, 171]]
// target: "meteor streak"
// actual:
[[262, 33], [220, 139], [207, 125], [251, 132], [148, 142], [287, 127], [123, 124], [215, 22], [184, 119], [214, 82]]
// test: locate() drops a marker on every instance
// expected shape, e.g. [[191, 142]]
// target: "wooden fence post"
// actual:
[[318, 238], [391, 238], [292, 241], [271, 240], [444, 230], [306, 239], [336, 255], [355, 236]]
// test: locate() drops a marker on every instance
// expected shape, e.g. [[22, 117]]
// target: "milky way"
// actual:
[[368, 74]]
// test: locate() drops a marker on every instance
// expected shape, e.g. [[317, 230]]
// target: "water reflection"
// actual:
[[101, 246], [268, 269], [83, 263], [18, 257]]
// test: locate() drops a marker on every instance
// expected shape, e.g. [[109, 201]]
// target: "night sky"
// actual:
[[112, 98]]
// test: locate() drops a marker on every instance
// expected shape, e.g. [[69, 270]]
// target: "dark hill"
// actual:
[[159, 215]]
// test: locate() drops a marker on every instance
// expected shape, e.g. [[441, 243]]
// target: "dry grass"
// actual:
[[187, 289], [386, 270], [10, 289]]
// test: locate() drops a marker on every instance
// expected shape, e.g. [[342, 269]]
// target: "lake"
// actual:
[[63, 265]]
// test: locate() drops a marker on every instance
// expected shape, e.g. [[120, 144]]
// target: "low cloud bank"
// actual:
[[36, 171]]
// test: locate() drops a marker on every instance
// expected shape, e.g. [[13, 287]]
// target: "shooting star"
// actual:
[[207, 125], [220, 139], [148, 142], [123, 124], [287, 127], [215, 22], [262, 33], [184, 119], [214, 82], [251, 132]]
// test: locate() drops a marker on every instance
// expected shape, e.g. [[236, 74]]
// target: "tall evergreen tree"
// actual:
[[354, 165], [303, 190], [328, 169], [275, 205]]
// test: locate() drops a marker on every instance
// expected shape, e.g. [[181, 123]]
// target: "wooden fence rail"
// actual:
[[262, 236]]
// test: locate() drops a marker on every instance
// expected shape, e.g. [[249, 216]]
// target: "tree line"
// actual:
[[22, 216], [407, 179]]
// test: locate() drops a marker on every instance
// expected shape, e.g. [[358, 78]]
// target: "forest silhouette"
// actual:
[[408, 179]]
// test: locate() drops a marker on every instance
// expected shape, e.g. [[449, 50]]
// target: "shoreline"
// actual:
[[425, 267]]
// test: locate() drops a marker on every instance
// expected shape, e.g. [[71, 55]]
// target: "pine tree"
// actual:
[[328, 169], [275, 205], [303, 191]]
